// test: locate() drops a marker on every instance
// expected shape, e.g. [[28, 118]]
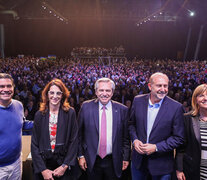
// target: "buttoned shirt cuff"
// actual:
[[79, 157], [156, 150], [63, 165]]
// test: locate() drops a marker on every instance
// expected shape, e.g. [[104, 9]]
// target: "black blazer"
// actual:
[[188, 156], [66, 139], [88, 137]]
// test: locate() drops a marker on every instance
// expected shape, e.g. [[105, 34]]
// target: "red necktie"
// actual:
[[103, 138]]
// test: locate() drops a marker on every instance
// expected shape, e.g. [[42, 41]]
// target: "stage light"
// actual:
[[54, 13], [192, 13]]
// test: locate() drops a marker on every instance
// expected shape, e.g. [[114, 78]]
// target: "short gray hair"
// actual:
[[104, 80], [157, 74]]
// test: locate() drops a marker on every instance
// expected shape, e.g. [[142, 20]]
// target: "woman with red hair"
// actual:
[[54, 138]]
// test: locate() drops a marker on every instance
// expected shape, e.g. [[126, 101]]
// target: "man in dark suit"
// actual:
[[104, 146], [156, 128]]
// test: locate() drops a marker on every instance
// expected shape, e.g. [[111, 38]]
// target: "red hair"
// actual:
[[44, 105]]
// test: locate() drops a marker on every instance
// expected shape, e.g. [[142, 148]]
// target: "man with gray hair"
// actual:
[[104, 146], [11, 123], [156, 128]]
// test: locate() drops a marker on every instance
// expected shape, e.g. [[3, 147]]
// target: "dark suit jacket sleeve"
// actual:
[[132, 123], [80, 131], [180, 151], [72, 139], [177, 137], [126, 139], [38, 162], [179, 160]]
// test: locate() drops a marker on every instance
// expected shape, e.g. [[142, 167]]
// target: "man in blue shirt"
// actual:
[[156, 128], [11, 123]]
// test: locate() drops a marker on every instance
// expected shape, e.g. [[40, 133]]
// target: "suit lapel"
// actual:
[[47, 134], [196, 128], [162, 111], [60, 125], [144, 111], [115, 120], [96, 114]]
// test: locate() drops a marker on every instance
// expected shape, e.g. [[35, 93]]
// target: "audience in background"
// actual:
[[97, 51], [131, 77], [31, 74]]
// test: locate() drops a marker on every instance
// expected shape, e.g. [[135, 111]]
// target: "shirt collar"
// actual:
[[4, 107], [107, 105], [156, 105]]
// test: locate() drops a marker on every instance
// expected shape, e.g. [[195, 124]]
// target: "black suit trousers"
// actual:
[[103, 169]]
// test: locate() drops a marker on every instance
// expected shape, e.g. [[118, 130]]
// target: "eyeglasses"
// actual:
[[52, 93]]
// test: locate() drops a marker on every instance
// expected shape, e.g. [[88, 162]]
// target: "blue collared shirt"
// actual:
[[152, 112]]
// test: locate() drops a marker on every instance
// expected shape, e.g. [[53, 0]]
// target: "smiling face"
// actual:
[[202, 101], [158, 87], [6, 91], [104, 92], [54, 96]]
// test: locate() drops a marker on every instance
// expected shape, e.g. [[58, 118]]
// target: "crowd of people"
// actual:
[[97, 51], [99, 141], [131, 77]]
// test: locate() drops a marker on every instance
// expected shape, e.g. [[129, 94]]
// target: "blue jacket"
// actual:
[[88, 136], [167, 133]]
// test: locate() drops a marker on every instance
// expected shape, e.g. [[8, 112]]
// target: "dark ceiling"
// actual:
[[35, 27], [106, 9]]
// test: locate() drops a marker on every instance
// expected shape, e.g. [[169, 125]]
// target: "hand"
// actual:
[[82, 163], [60, 171], [47, 174], [125, 165], [148, 148], [137, 145], [180, 175]]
